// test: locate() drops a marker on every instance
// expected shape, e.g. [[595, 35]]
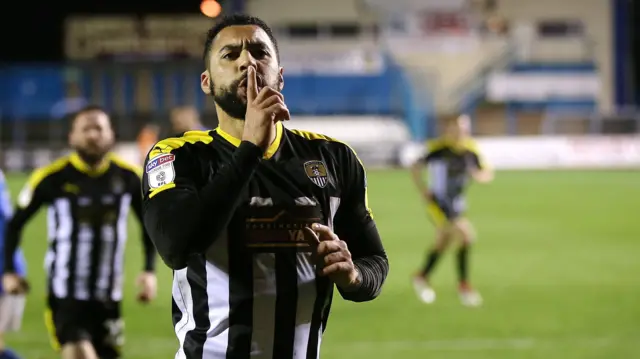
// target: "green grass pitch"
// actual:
[[557, 261]]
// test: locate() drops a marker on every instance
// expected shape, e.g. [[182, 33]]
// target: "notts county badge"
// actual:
[[317, 172]]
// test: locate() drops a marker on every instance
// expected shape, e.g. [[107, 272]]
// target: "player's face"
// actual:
[[232, 52], [92, 135]]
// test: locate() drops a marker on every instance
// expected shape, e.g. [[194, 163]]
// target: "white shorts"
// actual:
[[11, 311]]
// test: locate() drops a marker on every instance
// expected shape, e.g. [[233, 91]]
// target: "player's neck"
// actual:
[[235, 127], [91, 161]]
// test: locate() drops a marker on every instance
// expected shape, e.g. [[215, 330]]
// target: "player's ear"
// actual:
[[281, 79], [205, 82]]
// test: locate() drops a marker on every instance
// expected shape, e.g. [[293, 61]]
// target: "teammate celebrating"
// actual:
[[257, 221], [11, 303], [450, 160], [89, 194]]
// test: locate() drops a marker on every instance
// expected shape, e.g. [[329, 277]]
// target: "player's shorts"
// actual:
[[445, 210], [11, 311], [71, 320]]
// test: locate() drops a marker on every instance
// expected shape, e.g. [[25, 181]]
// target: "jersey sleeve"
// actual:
[[183, 211], [355, 225], [32, 196]]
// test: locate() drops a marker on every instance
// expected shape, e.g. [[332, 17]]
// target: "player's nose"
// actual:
[[245, 60], [93, 136]]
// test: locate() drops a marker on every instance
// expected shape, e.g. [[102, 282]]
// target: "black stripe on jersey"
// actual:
[[286, 304], [323, 288], [327, 308], [112, 265], [197, 278], [240, 295]]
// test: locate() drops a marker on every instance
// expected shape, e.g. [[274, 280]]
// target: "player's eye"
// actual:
[[230, 56], [259, 53]]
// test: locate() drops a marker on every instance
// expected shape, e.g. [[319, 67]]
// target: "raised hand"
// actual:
[[264, 108]]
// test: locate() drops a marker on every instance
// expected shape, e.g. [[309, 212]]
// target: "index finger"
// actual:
[[324, 233], [310, 236], [252, 86]]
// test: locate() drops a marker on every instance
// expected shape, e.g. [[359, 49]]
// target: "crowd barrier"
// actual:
[[551, 152]]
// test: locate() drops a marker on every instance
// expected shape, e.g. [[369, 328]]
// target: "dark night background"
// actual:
[[33, 30]]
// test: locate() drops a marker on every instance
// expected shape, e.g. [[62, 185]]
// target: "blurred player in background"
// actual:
[[450, 160], [185, 119], [89, 194], [11, 303]]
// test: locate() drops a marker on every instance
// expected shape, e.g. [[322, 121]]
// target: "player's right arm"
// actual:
[[181, 216], [32, 196]]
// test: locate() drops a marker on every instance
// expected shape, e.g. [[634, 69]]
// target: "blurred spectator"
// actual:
[[147, 137], [185, 119]]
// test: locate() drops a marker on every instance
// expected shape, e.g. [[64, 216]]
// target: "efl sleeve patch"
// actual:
[[160, 170]]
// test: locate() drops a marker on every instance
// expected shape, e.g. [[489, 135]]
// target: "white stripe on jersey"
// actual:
[[437, 177], [104, 266], [118, 265], [181, 293], [83, 262], [63, 247], [218, 294]]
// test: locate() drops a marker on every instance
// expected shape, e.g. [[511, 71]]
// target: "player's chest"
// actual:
[[92, 199], [283, 198]]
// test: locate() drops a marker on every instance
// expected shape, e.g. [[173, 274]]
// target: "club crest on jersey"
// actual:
[[160, 170], [317, 172]]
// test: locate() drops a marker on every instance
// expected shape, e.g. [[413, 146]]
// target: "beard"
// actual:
[[91, 158], [229, 100]]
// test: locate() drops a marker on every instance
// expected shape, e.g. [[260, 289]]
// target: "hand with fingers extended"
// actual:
[[264, 108], [333, 257]]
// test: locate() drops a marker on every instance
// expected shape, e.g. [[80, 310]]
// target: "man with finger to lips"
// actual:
[[258, 222]]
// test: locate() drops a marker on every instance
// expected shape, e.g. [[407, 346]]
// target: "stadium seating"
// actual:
[[31, 92]]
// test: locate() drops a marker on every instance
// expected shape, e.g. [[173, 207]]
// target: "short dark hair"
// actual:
[[87, 108], [237, 20]]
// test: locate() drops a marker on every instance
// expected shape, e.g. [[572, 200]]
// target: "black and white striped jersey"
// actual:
[[228, 219], [87, 227], [448, 165]]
